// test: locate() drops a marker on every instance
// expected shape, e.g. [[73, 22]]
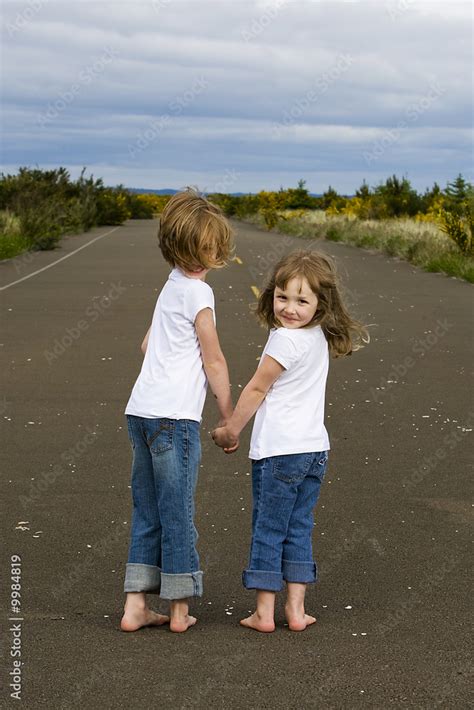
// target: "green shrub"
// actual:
[[452, 264], [333, 234], [48, 204], [112, 207], [394, 245], [367, 240], [458, 227], [417, 252], [40, 225], [141, 206]]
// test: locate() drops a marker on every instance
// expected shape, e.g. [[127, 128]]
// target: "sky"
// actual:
[[239, 96]]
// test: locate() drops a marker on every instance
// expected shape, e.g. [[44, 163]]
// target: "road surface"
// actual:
[[391, 535]]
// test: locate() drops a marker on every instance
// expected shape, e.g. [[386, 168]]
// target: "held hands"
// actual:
[[222, 437]]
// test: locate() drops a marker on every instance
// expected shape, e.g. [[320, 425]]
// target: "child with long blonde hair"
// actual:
[[303, 309]]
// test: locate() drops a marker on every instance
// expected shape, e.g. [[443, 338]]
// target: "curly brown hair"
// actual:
[[343, 333], [194, 232]]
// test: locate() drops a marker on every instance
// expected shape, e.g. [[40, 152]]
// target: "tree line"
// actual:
[[43, 205], [452, 208]]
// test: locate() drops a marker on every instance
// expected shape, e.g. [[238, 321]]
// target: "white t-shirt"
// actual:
[[290, 419], [172, 382]]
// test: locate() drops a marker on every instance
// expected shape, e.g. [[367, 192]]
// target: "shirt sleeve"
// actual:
[[198, 297], [282, 349]]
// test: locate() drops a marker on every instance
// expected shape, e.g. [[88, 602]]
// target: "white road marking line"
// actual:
[[2, 288]]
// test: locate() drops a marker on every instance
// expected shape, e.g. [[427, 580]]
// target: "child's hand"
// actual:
[[227, 441], [231, 449]]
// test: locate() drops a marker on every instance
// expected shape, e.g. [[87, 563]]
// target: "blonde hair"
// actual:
[[194, 232], [343, 333]]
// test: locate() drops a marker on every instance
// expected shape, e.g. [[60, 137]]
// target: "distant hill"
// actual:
[[171, 191], [145, 190]]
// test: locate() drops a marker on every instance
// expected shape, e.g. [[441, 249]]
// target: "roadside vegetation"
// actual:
[[38, 207], [432, 230]]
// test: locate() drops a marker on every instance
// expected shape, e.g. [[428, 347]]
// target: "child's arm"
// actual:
[[214, 362], [144, 345], [250, 400]]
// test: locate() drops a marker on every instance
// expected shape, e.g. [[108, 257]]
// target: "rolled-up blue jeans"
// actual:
[[162, 556], [285, 491]]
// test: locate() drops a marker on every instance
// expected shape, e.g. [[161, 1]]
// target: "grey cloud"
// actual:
[[260, 65]]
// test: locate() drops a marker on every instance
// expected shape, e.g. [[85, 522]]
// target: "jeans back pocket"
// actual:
[[291, 468], [159, 435], [320, 464]]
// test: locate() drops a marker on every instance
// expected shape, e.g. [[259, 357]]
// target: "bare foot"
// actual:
[[255, 622], [299, 622], [135, 619], [182, 624]]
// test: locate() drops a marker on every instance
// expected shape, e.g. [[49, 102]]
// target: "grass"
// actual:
[[421, 243], [11, 240]]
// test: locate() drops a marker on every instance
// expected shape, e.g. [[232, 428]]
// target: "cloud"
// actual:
[[299, 88]]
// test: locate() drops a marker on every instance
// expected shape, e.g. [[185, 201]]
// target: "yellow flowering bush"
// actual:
[[268, 204], [434, 213]]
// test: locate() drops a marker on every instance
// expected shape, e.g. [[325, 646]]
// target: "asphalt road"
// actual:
[[391, 536]]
